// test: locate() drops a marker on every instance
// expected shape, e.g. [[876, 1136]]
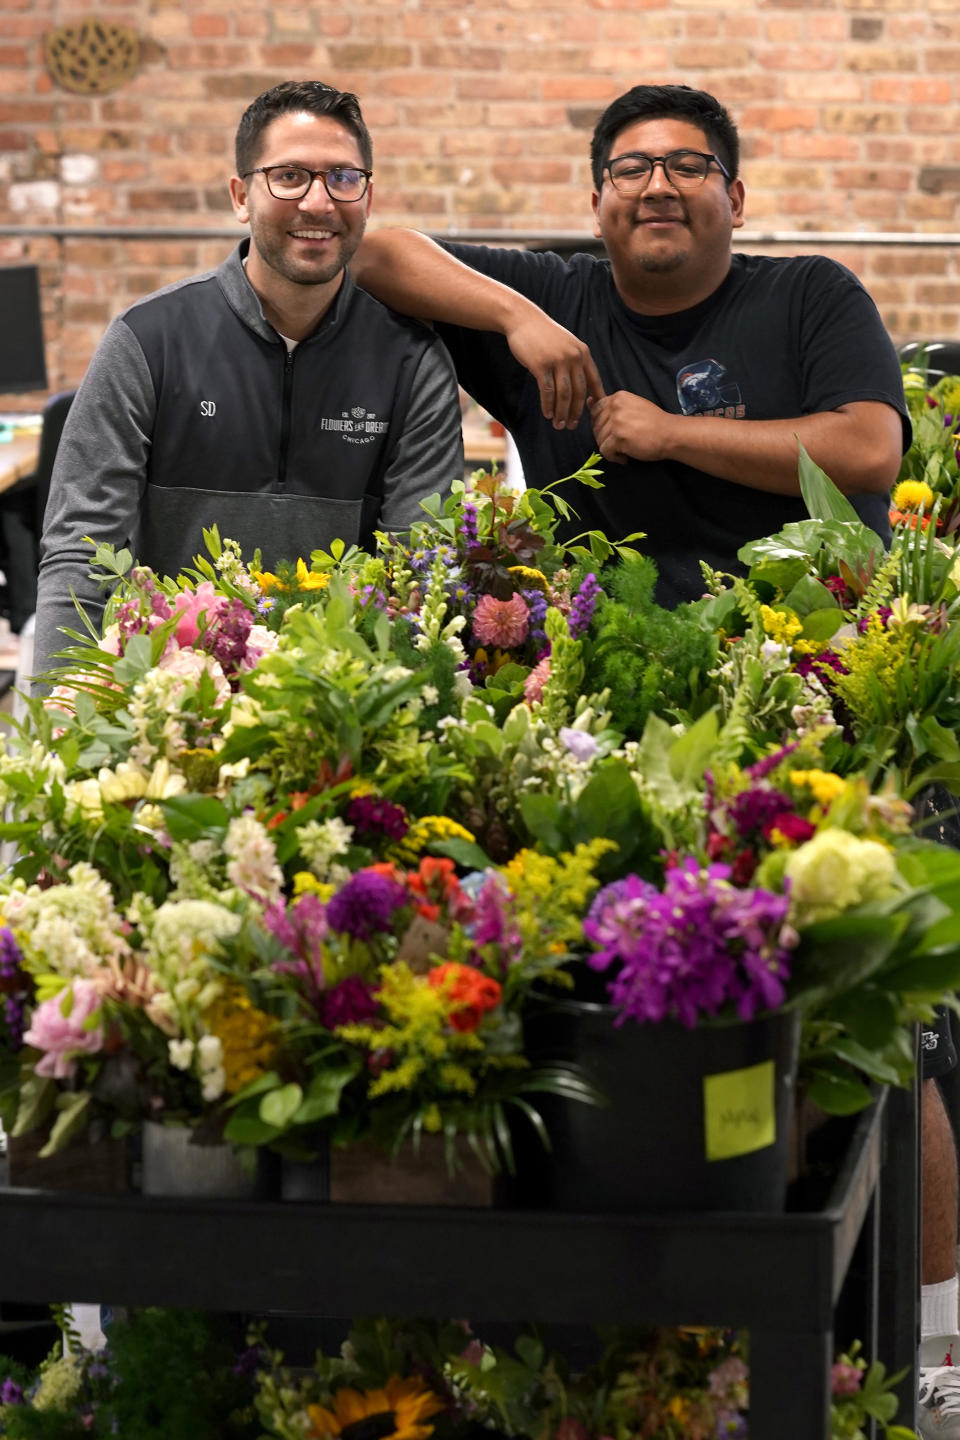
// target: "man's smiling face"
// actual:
[[663, 230], [307, 241]]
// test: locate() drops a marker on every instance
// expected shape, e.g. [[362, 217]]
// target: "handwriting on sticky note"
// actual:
[[739, 1114]]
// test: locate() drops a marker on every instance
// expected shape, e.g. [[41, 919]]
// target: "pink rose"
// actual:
[[63, 1036], [188, 607]]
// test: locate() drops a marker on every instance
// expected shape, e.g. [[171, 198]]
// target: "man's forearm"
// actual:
[[858, 445], [412, 274], [861, 455]]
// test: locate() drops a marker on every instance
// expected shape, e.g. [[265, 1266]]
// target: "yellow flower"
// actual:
[[306, 579], [306, 883], [424, 832], [249, 1037], [311, 579], [913, 495], [530, 579], [826, 786], [781, 625], [399, 1409]]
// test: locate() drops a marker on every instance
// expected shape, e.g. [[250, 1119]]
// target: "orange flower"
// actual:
[[472, 992]]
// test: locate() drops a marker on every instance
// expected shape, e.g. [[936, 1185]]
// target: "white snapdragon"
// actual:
[[184, 933], [252, 859]]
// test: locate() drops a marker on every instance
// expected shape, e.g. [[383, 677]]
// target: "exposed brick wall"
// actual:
[[481, 112]]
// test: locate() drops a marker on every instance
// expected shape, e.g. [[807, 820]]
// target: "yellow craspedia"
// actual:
[[913, 495]]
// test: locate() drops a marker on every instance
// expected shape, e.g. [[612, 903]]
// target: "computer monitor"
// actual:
[[22, 360]]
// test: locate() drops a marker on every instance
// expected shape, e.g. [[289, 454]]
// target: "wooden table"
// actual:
[[18, 457]]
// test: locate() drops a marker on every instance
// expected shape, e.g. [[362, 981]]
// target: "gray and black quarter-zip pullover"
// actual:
[[194, 411]]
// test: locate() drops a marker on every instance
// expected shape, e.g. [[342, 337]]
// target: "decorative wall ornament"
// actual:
[[92, 56]]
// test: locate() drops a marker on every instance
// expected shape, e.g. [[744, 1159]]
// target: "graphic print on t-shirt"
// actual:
[[702, 389]]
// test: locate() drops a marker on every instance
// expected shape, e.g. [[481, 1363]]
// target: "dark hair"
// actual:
[[291, 98], [660, 102]]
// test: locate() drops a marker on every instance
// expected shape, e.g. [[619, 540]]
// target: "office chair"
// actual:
[[21, 517]]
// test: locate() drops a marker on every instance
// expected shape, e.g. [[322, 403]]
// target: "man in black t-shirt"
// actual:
[[695, 372], [712, 364]]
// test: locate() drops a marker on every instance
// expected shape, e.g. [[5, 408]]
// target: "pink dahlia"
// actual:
[[501, 623]]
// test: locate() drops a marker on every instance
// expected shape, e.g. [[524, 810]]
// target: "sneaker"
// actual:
[[938, 1406]]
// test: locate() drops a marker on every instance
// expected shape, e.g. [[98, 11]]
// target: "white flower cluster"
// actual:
[[321, 842], [208, 1054], [70, 928], [252, 859]]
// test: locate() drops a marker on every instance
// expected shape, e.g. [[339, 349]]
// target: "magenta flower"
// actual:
[[352, 1002], [501, 623], [534, 684], [692, 949], [371, 815], [63, 1036], [366, 905]]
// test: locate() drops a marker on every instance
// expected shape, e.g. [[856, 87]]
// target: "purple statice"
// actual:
[[372, 816], [11, 1393], [691, 949], [14, 1019], [584, 604], [226, 636], [351, 1002], [370, 595], [365, 906], [469, 530]]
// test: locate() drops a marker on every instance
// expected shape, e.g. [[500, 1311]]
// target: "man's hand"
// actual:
[[625, 425], [561, 365]]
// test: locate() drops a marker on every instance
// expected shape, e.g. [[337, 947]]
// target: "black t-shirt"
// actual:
[[778, 338]]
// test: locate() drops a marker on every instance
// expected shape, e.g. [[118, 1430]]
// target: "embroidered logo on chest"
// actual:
[[357, 426]]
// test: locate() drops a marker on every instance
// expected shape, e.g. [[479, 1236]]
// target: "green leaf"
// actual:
[[838, 1095], [249, 1130], [323, 1094], [190, 816], [70, 1122], [278, 1107], [820, 495], [37, 1097]]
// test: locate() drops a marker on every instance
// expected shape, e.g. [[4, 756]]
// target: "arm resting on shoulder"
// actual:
[[413, 275], [859, 445], [97, 486]]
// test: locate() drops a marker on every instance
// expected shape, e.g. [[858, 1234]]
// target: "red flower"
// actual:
[[472, 992], [791, 826]]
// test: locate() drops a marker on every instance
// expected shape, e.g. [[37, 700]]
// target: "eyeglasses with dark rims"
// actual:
[[291, 182], [685, 169]]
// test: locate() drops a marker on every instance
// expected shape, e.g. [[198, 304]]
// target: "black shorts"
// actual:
[[938, 1054]]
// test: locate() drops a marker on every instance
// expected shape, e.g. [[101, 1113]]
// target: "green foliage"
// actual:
[[650, 660]]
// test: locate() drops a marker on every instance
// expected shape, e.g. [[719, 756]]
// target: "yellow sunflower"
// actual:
[[397, 1412]]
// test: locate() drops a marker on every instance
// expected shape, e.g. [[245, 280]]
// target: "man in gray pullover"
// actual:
[[270, 396]]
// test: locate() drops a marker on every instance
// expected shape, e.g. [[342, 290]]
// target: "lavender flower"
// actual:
[[692, 949], [366, 904], [11, 956], [11, 1393], [226, 637], [770, 762], [537, 604], [469, 532], [584, 604]]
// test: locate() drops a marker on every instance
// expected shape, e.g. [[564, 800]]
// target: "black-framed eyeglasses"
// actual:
[[685, 169], [291, 182]]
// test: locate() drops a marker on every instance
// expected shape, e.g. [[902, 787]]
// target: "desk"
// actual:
[[18, 457]]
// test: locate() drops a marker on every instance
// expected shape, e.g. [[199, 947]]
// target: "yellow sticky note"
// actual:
[[739, 1114]]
